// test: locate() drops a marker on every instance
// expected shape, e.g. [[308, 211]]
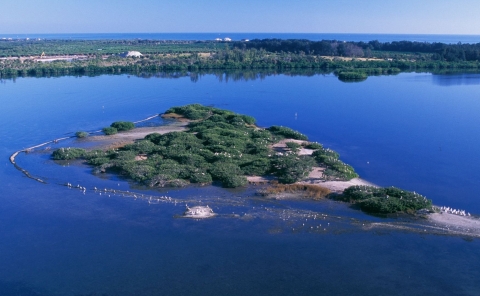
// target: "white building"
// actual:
[[127, 54]]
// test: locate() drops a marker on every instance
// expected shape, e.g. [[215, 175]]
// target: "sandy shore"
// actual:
[[455, 224], [124, 138], [339, 186], [316, 175]]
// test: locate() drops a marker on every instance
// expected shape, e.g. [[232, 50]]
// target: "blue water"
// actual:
[[417, 131], [443, 38]]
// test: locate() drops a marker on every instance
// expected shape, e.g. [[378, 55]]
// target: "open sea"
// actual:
[[430, 38], [418, 131]]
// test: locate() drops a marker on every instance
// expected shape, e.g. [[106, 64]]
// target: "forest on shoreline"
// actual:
[[348, 60]]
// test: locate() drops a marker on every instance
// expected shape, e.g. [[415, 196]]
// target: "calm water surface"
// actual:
[[417, 131]]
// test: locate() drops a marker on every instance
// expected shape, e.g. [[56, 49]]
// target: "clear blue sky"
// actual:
[[300, 16]]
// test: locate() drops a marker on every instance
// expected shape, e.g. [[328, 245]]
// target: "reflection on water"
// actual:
[[456, 79]]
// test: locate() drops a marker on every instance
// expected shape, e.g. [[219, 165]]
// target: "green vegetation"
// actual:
[[335, 168], [290, 167], [68, 153], [219, 145], [313, 145], [352, 76], [350, 60], [81, 134], [223, 146], [294, 147], [118, 126], [109, 131], [122, 126], [286, 132], [385, 200]]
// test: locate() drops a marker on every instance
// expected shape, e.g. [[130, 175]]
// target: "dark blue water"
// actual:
[[239, 36], [417, 131]]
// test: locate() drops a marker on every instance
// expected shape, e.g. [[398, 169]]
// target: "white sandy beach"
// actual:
[[123, 138], [456, 224]]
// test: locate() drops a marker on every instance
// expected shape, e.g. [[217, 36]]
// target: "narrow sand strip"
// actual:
[[124, 138], [456, 224], [131, 136]]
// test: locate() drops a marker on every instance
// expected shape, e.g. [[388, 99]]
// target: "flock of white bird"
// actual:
[[449, 210]]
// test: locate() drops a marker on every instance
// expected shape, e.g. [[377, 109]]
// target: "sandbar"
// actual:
[[123, 138]]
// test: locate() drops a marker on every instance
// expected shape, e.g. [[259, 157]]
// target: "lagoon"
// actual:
[[417, 131]]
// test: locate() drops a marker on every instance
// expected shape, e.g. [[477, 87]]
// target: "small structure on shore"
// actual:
[[198, 212], [127, 54]]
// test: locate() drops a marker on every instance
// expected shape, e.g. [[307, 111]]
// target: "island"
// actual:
[[228, 149]]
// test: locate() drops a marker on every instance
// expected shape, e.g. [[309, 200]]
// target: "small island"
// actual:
[[222, 147]]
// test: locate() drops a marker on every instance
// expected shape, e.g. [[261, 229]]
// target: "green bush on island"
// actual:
[[334, 167], [385, 200], [352, 76], [220, 146], [81, 134], [192, 111], [313, 145], [290, 167], [287, 132], [68, 153], [293, 146], [109, 131], [122, 126]]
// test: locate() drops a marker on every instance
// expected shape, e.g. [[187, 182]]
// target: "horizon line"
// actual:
[[55, 33]]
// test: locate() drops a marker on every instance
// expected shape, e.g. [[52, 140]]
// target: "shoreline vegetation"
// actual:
[[350, 61], [216, 146]]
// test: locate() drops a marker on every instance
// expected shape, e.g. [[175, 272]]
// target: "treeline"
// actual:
[[22, 48], [397, 49], [437, 51], [227, 59]]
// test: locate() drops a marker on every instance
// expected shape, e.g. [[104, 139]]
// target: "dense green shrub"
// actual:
[[293, 146], [228, 173], [287, 133], [335, 168], [290, 168], [201, 177], [68, 153], [233, 181], [385, 200], [313, 145], [248, 119], [256, 167], [123, 125], [142, 147], [81, 134], [223, 146], [352, 76], [109, 131], [193, 111]]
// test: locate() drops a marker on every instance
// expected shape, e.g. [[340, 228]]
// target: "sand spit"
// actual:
[[455, 224], [339, 186], [128, 137], [124, 138]]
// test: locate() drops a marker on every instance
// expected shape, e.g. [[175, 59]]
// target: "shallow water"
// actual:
[[417, 131]]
